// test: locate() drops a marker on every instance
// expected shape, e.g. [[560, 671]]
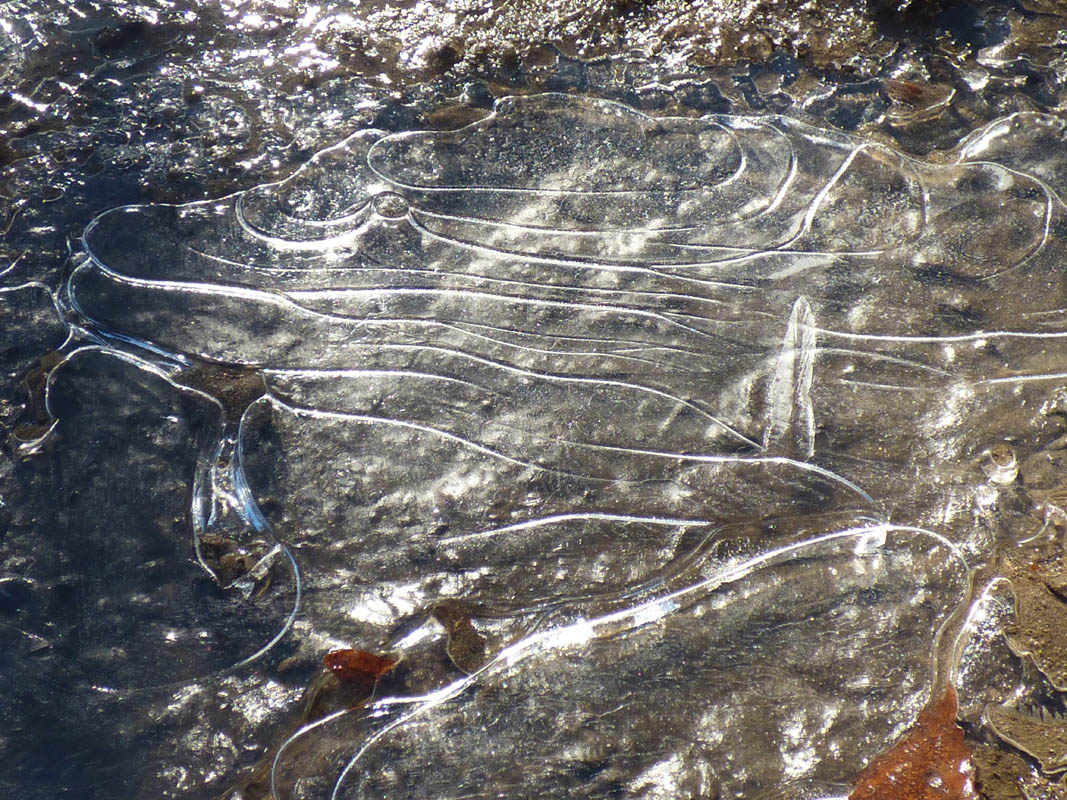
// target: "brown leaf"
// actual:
[[358, 667], [931, 761]]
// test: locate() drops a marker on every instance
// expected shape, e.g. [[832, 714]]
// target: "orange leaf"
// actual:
[[358, 666], [931, 761]]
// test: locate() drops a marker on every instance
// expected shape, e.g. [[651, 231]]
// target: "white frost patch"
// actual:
[[183, 697], [798, 763], [403, 599]]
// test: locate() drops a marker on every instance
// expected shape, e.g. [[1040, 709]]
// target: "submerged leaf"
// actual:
[[358, 667], [931, 762]]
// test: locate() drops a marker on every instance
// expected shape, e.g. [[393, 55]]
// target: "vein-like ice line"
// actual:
[[282, 299], [738, 288], [746, 254], [805, 265], [463, 325], [595, 233], [252, 266], [963, 337], [592, 515], [358, 211], [26, 285], [904, 362], [631, 346], [293, 245], [1048, 376], [1051, 197], [778, 198], [548, 377], [242, 292], [976, 137], [802, 466], [523, 284], [609, 105], [534, 258], [597, 266], [787, 182], [377, 266], [888, 386], [267, 297], [356, 291], [14, 262], [469, 415], [357, 372], [316, 413], [312, 295], [820, 196], [809, 216]]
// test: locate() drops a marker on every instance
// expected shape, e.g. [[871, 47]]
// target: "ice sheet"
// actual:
[[666, 401]]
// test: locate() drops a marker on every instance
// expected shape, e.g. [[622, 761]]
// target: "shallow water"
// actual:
[[731, 433]]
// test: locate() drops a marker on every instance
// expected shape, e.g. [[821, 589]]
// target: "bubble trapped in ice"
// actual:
[[571, 359]]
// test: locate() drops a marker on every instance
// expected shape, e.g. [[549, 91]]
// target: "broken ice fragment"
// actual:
[[1038, 629], [1039, 734]]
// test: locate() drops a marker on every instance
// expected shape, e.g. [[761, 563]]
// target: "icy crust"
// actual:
[[644, 393], [746, 288], [763, 673]]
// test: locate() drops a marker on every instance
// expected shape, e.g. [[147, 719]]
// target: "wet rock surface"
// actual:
[[180, 494]]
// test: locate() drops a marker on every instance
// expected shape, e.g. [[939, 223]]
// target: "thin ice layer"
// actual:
[[755, 289], [767, 672], [148, 614], [555, 387]]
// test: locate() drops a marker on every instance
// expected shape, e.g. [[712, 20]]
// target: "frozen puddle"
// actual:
[[763, 673], [646, 394]]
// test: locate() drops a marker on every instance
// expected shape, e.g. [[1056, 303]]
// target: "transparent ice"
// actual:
[[696, 414]]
